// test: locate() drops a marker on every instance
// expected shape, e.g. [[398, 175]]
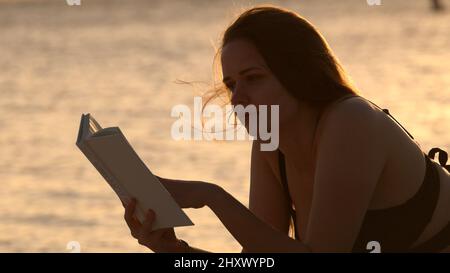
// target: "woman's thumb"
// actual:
[[151, 214]]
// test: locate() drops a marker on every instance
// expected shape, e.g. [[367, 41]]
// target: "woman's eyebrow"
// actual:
[[242, 72]]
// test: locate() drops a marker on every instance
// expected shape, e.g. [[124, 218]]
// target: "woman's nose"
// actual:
[[239, 96]]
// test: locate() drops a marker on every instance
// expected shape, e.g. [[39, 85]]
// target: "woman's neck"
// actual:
[[298, 132]]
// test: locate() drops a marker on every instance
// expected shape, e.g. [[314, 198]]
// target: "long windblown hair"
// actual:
[[295, 52]]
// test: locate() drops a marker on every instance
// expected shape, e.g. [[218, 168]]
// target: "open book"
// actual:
[[114, 158]]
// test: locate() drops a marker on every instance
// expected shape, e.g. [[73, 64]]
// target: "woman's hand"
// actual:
[[161, 240], [189, 194]]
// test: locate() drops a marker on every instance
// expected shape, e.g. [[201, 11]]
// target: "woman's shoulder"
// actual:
[[353, 111], [353, 115], [353, 106], [387, 132], [359, 113]]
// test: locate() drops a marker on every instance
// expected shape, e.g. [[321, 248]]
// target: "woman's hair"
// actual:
[[295, 52]]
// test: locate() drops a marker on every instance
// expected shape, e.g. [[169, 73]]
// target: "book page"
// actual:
[[128, 169]]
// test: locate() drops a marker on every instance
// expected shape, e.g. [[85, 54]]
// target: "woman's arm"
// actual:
[[267, 199], [351, 156], [253, 234]]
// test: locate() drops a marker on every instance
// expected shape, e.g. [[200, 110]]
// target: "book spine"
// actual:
[[107, 175]]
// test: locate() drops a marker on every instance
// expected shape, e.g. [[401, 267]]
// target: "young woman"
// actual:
[[354, 175]]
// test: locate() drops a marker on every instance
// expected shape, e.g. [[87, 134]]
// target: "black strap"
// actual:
[[443, 157], [292, 214], [387, 112]]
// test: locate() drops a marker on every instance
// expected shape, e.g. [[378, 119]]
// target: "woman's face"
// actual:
[[251, 82]]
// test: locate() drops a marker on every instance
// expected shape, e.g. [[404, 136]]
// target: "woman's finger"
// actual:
[[153, 234], [146, 228], [148, 222], [132, 223], [129, 210]]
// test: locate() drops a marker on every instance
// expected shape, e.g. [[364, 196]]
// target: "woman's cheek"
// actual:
[[268, 96]]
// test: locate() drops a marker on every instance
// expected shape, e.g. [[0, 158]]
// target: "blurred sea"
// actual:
[[120, 59]]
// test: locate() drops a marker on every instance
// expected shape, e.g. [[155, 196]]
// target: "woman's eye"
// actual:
[[253, 77], [230, 86]]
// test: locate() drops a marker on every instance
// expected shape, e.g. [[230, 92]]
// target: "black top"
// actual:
[[395, 228]]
